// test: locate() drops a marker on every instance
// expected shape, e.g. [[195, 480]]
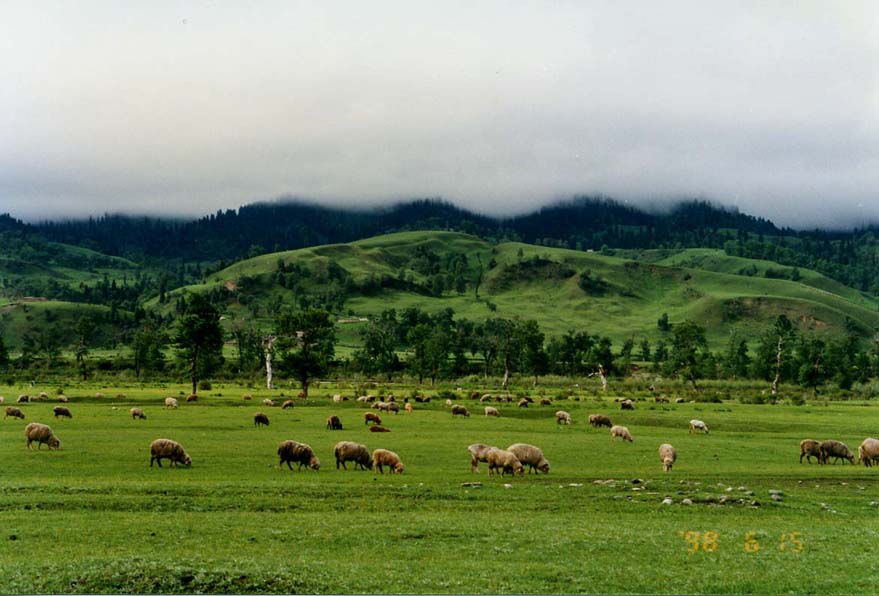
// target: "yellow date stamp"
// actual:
[[709, 541]]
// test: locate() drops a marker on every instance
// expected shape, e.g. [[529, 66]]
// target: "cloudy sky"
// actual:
[[187, 107]]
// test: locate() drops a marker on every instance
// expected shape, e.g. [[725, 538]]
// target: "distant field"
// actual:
[[94, 517]]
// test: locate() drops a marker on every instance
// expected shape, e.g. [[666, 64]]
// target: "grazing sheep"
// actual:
[[382, 407], [680, 400], [393, 407], [667, 455], [137, 413], [448, 403], [44, 395], [627, 404], [523, 403], [478, 453], [337, 399], [293, 452], [22, 399], [562, 417], [350, 451], [622, 432], [61, 398], [192, 397], [361, 399], [697, 425], [810, 447], [41, 434], [370, 417], [14, 412], [597, 420], [383, 457], [61, 412], [506, 461], [545, 401], [460, 411], [333, 423], [492, 411], [485, 398], [260, 419], [868, 452], [378, 428], [422, 400], [268, 403], [287, 404], [170, 402], [661, 400], [530, 455], [167, 449], [837, 450], [377, 405], [121, 396], [408, 407], [247, 397]]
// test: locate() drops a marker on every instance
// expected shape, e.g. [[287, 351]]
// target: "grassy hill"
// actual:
[[631, 290]]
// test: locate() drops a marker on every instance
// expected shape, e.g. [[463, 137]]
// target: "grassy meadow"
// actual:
[[94, 517]]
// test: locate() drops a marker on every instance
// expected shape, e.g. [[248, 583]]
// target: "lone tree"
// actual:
[[306, 342], [689, 339], [784, 334], [199, 339]]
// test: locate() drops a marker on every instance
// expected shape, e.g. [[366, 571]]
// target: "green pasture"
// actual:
[[94, 517]]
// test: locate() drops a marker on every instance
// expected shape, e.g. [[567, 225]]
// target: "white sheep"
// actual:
[[868, 452], [698, 425], [667, 455], [506, 461], [478, 453], [492, 411], [531, 456], [621, 432], [562, 417], [170, 402]]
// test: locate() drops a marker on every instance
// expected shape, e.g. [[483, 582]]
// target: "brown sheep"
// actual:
[[809, 448], [837, 450], [137, 413], [531, 456], [598, 420], [460, 411], [492, 411], [333, 423], [378, 428], [193, 397], [545, 401], [287, 404], [247, 397], [478, 453], [349, 451], [41, 434], [627, 404], [621, 432], [167, 449], [868, 452], [668, 455], [14, 412], [485, 398], [22, 399], [562, 417], [260, 419], [383, 457], [393, 407], [370, 417], [408, 408], [506, 461], [422, 400], [523, 403], [291, 452], [61, 412]]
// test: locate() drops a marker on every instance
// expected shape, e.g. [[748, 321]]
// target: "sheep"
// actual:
[[545, 401], [137, 413], [408, 407], [523, 403], [868, 452], [422, 400], [170, 402], [382, 407], [333, 423], [530, 455], [167, 449], [379, 405], [448, 403], [506, 461], [44, 395], [562, 417], [61, 398], [350, 451], [393, 407], [22, 399], [680, 400], [478, 453], [14, 412], [361, 399], [260, 419], [837, 450], [627, 404], [291, 452], [337, 399], [378, 428], [597, 420], [99, 395], [41, 434], [383, 457], [62, 412], [191, 398], [370, 417], [622, 432], [485, 398], [460, 411], [492, 411], [268, 403], [667, 455], [810, 447], [247, 397], [287, 404], [697, 425]]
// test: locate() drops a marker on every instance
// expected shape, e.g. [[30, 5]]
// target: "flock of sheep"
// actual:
[[511, 460]]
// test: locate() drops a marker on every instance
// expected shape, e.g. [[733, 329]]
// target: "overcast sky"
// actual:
[[189, 107]]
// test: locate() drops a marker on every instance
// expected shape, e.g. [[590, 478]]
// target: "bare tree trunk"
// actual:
[[774, 386], [270, 351], [603, 374], [506, 374]]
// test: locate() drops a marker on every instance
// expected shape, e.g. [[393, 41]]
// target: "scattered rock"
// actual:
[[774, 491], [749, 493], [667, 501], [471, 484], [777, 498], [742, 488], [508, 486], [755, 503], [872, 504], [637, 481], [575, 484], [729, 489], [723, 500], [687, 502]]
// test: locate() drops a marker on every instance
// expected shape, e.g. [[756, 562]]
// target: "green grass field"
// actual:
[[94, 517]]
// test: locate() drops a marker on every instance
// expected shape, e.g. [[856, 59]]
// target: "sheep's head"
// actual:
[[314, 463], [186, 460], [544, 466], [54, 443], [518, 468], [369, 463], [398, 468]]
